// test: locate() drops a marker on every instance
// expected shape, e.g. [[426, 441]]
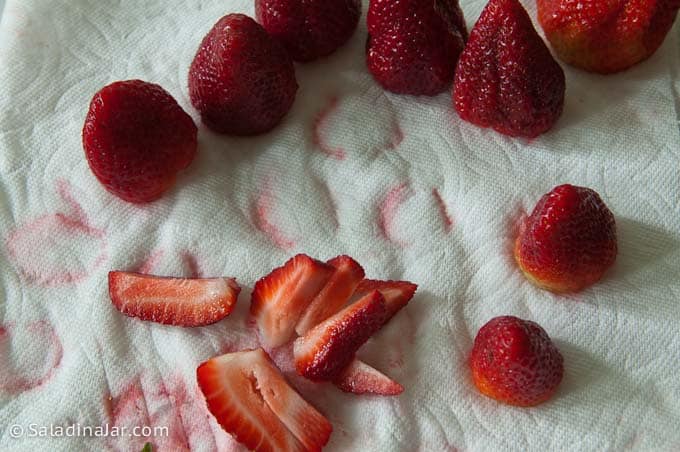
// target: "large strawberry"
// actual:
[[136, 139], [309, 29], [413, 45], [568, 241], [506, 77], [606, 36], [241, 80]]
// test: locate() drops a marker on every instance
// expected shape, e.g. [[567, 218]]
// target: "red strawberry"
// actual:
[[309, 29], [515, 362], [279, 298], [413, 45], [252, 401], [606, 36], [569, 240], [506, 77], [241, 80], [328, 348], [173, 301], [360, 378], [339, 288], [136, 139], [397, 293]]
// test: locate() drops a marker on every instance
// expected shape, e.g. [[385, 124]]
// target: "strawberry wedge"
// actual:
[[185, 302], [328, 348], [280, 298], [360, 378], [339, 288], [253, 402], [397, 293]]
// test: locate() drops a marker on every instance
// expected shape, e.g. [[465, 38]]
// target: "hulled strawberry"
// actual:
[[506, 77], [360, 378], [569, 240], [515, 362], [241, 80], [413, 45], [309, 29]]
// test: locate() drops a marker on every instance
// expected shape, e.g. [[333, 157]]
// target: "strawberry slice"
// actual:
[[339, 288], [329, 347], [397, 293], [279, 298], [360, 378], [253, 402], [173, 301]]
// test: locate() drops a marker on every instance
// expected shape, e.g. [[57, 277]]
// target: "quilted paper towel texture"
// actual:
[[400, 183]]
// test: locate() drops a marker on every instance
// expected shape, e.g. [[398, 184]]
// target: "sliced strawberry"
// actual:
[[397, 293], [360, 378], [279, 298], [173, 301], [252, 401], [339, 288], [329, 347]]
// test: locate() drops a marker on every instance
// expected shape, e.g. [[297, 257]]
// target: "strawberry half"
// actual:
[[328, 348], [339, 288], [253, 402], [397, 293], [173, 301], [279, 298], [360, 378]]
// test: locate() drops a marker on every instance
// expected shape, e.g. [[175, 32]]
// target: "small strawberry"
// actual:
[[309, 29], [397, 294], [515, 362], [360, 378], [173, 301], [568, 241], [606, 36], [413, 45], [241, 80], [253, 402], [136, 139], [279, 299], [506, 77]]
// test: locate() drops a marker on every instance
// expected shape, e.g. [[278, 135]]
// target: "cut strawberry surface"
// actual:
[[280, 298], [397, 293], [360, 378], [253, 402], [173, 301], [339, 288]]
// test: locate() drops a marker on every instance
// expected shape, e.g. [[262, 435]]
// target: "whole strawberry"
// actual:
[[515, 362], [241, 80], [506, 77], [568, 241], [136, 139], [606, 36], [413, 45], [309, 29]]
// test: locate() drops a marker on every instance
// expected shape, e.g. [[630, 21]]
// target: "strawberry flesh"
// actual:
[[360, 378], [397, 294]]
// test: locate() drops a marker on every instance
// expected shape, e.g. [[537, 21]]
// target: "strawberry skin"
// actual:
[[506, 77], [136, 139], [360, 378], [279, 299], [397, 294], [515, 362], [253, 402], [185, 302], [569, 240], [241, 80], [309, 29], [328, 348], [413, 45], [606, 36]]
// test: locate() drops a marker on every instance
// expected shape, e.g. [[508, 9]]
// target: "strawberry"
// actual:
[[360, 378], [606, 36], [506, 77], [241, 80], [173, 301], [413, 45], [136, 139], [568, 241], [309, 29], [328, 348], [279, 299], [397, 294], [515, 362], [339, 288], [253, 402]]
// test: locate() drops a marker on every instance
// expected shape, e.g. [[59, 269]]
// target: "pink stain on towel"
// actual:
[[318, 130], [263, 217], [448, 221], [387, 212]]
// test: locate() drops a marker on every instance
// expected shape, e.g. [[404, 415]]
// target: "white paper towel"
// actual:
[[399, 183]]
